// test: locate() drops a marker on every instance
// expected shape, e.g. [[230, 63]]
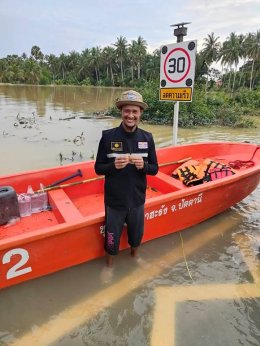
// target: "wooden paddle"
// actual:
[[70, 184], [78, 173], [48, 188], [174, 162]]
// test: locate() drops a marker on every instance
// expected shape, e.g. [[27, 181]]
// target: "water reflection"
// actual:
[[202, 291], [78, 99]]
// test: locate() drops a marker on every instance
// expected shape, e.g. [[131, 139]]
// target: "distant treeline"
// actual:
[[129, 64], [229, 97]]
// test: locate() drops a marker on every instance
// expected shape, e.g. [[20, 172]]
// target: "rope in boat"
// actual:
[[237, 164], [182, 245]]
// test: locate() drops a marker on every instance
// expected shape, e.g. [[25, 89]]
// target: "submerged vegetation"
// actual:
[[229, 97]]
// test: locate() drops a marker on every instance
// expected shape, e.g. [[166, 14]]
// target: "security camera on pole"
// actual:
[[177, 72]]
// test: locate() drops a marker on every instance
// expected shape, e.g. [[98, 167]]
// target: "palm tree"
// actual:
[[52, 63], [132, 57], [241, 39], [32, 71], [152, 65], [230, 54], [109, 58], [253, 51], [62, 64], [210, 52], [84, 65], [36, 53], [95, 59], [73, 60], [140, 52], [3, 69], [121, 50]]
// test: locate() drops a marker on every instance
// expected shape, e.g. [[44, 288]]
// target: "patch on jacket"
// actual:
[[117, 146], [142, 145]]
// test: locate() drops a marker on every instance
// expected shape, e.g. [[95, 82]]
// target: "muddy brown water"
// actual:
[[198, 287]]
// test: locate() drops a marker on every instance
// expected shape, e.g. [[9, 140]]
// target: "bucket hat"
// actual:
[[131, 97]]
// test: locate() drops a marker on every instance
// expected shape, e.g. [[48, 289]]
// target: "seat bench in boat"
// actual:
[[62, 206]]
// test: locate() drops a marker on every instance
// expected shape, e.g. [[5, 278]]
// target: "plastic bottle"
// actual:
[[24, 203], [34, 200], [39, 200], [44, 196]]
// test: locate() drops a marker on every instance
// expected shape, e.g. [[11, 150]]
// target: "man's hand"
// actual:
[[121, 161], [137, 160]]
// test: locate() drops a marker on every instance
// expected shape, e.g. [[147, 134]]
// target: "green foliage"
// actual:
[[247, 98], [45, 78], [86, 81], [231, 116], [158, 112], [216, 108], [196, 113]]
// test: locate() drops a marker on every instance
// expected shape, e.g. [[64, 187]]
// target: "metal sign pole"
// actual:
[[179, 32], [175, 123]]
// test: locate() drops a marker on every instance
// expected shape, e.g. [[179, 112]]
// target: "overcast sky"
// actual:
[[62, 26]]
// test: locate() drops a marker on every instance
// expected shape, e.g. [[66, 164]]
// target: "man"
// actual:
[[126, 154]]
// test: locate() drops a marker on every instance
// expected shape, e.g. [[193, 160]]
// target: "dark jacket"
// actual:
[[125, 188]]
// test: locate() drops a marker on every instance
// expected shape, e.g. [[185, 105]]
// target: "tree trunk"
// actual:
[[251, 77], [240, 78], [235, 73], [96, 71], [138, 70], [112, 75], [122, 72], [229, 80], [206, 86]]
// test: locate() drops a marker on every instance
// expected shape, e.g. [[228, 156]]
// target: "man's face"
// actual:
[[131, 116]]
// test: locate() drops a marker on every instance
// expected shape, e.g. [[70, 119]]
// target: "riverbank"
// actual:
[[255, 119], [216, 108]]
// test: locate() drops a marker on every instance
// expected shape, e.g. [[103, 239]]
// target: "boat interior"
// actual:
[[75, 203]]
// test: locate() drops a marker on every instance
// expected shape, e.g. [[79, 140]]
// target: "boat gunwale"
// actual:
[[207, 186], [91, 162]]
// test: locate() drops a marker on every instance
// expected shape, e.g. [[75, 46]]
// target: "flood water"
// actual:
[[198, 287]]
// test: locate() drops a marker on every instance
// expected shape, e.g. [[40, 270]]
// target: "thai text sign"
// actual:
[[175, 94]]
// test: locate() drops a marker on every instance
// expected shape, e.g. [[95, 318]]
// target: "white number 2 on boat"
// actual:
[[15, 271]]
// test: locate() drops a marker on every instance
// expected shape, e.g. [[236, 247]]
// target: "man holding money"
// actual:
[[126, 154]]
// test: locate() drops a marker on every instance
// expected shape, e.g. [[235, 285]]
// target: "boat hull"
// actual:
[[72, 231]]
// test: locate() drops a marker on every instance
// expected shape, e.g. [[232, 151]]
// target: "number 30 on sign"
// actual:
[[177, 71]]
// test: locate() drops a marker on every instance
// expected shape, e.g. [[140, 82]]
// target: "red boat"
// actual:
[[71, 230]]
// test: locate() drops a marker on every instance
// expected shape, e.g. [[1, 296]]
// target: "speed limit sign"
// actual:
[[177, 71]]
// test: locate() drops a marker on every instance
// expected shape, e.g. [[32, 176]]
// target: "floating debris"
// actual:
[[79, 140], [75, 156], [27, 122], [98, 115], [7, 134], [92, 157], [68, 118]]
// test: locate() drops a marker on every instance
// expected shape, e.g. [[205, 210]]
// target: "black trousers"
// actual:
[[115, 219]]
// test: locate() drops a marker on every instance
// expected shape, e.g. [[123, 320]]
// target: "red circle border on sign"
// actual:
[[188, 70]]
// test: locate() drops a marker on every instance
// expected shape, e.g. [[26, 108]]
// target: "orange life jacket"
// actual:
[[204, 172]]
